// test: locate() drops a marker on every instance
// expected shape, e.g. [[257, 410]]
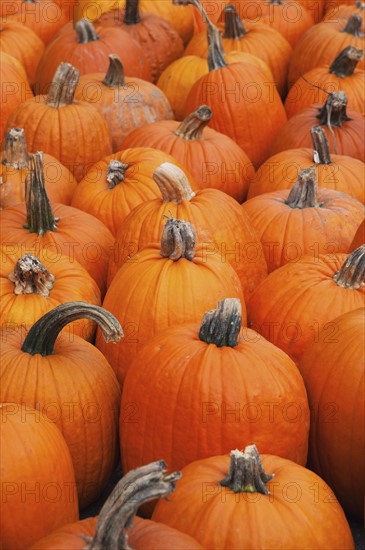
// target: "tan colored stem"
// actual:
[[178, 240], [85, 32], [320, 146], [116, 173], [63, 86], [246, 473], [346, 62], [173, 183], [221, 326], [16, 151], [192, 126], [233, 25], [31, 277], [115, 75], [352, 272], [304, 191]]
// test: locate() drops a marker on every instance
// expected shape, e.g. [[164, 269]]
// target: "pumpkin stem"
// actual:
[[115, 173], [359, 4], [233, 25], [131, 13], [320, 146], [346, 61], [352, 273], [40, 217], [63, 86], [115, 75], [85, 32], [192, 126], [178, 240], [30, 276], [134, 489], [173, 183], [221, 326], [246, 473], [16, 151], [353, 25], [304, 191], [333, 112], [42, 336]]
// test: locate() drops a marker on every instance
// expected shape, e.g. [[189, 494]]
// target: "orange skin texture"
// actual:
[[273, 47], [43, 17], [303, 95], [217, 218], [76, 134], [150, 293], [213, 396], [333, 372], [112, 206], [35, 460], [79, 235], [15, 87], [160, 51], [143, 534], [237, 115], [345, 174], [296, 134], [124, 108], [298, 299], [214, 160], [359, 238], [250, 521], [72, 283], [342, 10], [59, 182], [319, 46], [289, 233], [76, 389], [22, 43]]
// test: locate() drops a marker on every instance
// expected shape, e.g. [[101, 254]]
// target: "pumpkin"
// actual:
[[322, 43], [22, 43], [144, 28], [113, 528], [344, 9], [333, 372], [250, 37], [217, 397], [60, 229], [165, 285], [213, 10], [125, 103], [342, 74], [59, 182], [359, 238], [212, 158], [219, 222], [118, 183], [88, 50], [344, 128], [74, 132], [37, 477], [244, 500], [339, 172], [44, 17], [297, 300], [71, 384], [293, 223]]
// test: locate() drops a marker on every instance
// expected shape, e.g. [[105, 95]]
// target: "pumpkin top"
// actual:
[[320, 145], [178, 240], [16, 151], [131, 13], [333, 112], [221, 326], [304, 191], [115, 75], [30, 276], [353, 25], [115, 173], [191, 128], [173, 183], [85, 32], [63, 86], [346, 62], [352, 272], [246, 473], [233, 25]]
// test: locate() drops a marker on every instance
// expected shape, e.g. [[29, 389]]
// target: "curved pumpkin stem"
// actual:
[[178, 240], [353, 25], [63, 86], [85, 32], [233, 25], [221, 326], [246, 473], [304, 191], [333, 112], [352, 272], [134, 489], [30, 276], [192, 126], [173, 183], [346, 62], [131, 13], [16, 151], [320, 146], [115, 75], [116, 173], [42, 336]]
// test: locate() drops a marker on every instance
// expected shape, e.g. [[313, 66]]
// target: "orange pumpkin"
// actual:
[[37, 477], [15, 87], [343, 9], [71, 384], [359, 238]]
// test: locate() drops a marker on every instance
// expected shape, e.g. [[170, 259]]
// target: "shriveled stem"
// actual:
[[352, 272], [353, 25], [320, 146], [221, 326], [30, 276], [346, 62], [333, 112], [173, 183], [192, 126], [115, 173], [246, 473], [304, 191], [16, 151], [115, 75], [85, 32], [178, 240], [63, 86], [233, 25]]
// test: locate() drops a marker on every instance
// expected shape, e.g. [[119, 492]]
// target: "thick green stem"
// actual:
[[320, 146], [178, 240], [63, 86], [233, 25], [172, 183], [114, 78], [352, 272], [246, 473], [221, 326], [16, 151], [30, 276], [346, 62], [192, 126]]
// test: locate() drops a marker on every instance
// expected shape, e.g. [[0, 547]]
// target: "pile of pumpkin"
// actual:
[[182, 192]]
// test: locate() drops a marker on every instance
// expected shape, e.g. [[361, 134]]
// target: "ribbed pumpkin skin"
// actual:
[[217, 399], [359, 238], [72, 283], [221, 519], [143, 534], [76, 389], [333, 371], [36, 467], [288, 234], [15, 88], [22, 43], [297, 300], [345, 173], [151, 293], [342, 9], [238, 115], [78, 235], [215, 160], [296, 133]]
